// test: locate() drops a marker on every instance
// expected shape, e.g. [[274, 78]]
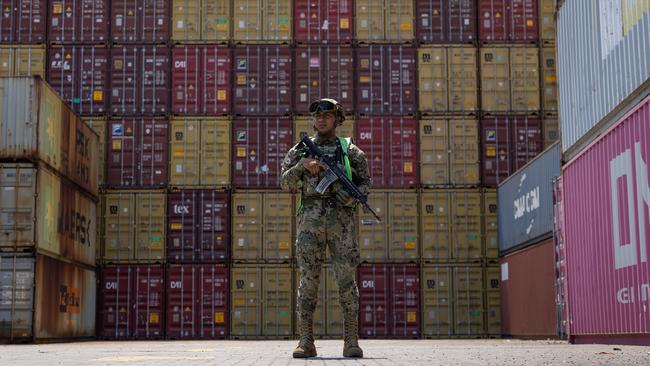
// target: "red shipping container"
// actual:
[[324, 72], [140, 80], [507, 20], [323, 21], [259, 146], [389, 304], [390, 145], [137, 153], [508, 143], [80, 75], [386, 80], [439, 21], [78, 21], [201, 80], [263, 80], [198, 226], [140, 21], [23, 21], [197, 301], [131, 302], [606, 198]]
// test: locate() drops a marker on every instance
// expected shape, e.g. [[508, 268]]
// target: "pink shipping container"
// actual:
[[507, 20], [23, 21], [140, 80], [78, 21], [137, 153], [442, 21], [508, 143], [263, 80], [391, 146], [258, 148], [201, 81], [323, 21], [324, 71], [389, 304], [386, 80], [140, 21], [606, 199], [197, 301], [198, 226], [131, 302], [80, 75]]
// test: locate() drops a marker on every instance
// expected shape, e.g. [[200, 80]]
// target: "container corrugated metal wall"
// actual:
[[526, 201], [602, 59], [606, 251], [22, 61]]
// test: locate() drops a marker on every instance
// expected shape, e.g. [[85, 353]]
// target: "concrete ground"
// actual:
[[378, 352]]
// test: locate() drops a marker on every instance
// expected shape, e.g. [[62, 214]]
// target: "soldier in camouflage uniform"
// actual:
[[326, 220]]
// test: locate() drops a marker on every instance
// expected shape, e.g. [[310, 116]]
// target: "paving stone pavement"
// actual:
[[378, 352]]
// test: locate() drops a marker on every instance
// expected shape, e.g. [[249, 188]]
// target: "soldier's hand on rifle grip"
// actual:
[[314, 166]]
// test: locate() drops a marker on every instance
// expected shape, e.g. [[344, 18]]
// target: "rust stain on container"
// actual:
[[78, 21], [24, 21], [323, 21], [140, 21], [80, 75], [22, 61], [439, 21]]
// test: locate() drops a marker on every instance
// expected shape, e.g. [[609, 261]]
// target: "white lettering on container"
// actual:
[[527, 203]]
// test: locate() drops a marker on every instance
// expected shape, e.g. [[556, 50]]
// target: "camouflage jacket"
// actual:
[[295, 178]]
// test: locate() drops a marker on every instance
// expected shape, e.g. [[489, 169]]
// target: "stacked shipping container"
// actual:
[[197, 107]]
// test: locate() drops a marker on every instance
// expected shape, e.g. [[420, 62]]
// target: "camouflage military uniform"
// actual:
[[325, 221]]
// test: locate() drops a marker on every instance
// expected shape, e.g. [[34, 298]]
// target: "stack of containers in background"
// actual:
[[22, 39], [603, 195], [526, 249], [48, 199]]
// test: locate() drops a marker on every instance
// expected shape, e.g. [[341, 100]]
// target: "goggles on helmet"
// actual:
[[322, 106]]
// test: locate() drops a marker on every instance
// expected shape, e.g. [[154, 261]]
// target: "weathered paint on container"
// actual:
[[22, 61], [262, 226], [440, 21], [526, 202], [599, 68], [469, 307], [324, 72], [200, 152], [46, 213], [528, 287], [396, 237], [550, 130], [549, 80], [80, 75], [78, 21], [201, 20], [98, 124], [304, 126], [135, 226], [258, 147], [451, 225], [262, 21], [606, 250], [449, 152], [437, 302], [137, 153], [198, 226], [140, 80], [328, 316], [131, 302], [37, 126], [262, 305], [490, 223], [386, 80], [547, 24], [447, 79], [390, 145], [24, 21], [201, 81], [140, 21], [389, 300], [263, 80], [384, 21], [508, 20], [197, 301], [45, 299], [323, 21], [508, 143]]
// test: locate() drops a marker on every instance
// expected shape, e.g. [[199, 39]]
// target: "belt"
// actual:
[[323, 201]]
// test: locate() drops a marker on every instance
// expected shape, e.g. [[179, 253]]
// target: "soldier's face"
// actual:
[[324, 123]]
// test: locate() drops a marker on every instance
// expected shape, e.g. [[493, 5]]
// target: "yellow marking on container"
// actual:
[[219, 317]]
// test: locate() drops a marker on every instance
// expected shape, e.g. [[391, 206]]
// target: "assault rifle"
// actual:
[[335, 173]]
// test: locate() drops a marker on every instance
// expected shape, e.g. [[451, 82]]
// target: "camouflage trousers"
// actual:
[[320, 227]]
